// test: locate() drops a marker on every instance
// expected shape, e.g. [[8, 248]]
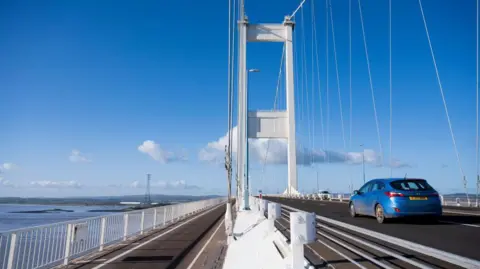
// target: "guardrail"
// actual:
[[351, 237], [303, 232], [55, 244], [343, 197]]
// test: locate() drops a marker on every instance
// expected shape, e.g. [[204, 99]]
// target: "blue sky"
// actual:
[[85, 84]]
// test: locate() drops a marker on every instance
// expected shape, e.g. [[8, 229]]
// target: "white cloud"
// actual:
[[56, 184], [399, 164], [277, 153], [5, 183], [7, 166], [166, 185], [77, 157], [154, 150]]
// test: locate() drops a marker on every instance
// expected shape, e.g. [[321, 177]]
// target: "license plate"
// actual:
[[418, 198]]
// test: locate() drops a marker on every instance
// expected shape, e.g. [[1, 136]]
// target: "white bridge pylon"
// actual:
[[266, 124]]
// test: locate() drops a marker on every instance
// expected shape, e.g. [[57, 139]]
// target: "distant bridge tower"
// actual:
[[265, 124], [148, 199]]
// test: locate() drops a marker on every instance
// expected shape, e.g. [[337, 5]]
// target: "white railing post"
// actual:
[[102, 232], [68, 243], [11, 253], [173, 213], [302, 231], [125, 226], [442, 200], [274, 212], [263, 207], [154, 218], [165, 215], [142, 220]]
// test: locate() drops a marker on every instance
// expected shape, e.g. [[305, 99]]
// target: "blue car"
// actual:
[[396, 198]]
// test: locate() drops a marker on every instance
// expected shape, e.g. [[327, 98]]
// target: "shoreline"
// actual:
[[111, 208]]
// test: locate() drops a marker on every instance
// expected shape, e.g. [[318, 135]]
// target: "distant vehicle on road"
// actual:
[[396, 198], [324, 195]]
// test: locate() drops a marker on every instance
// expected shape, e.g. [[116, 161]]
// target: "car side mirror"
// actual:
[[356, 192]]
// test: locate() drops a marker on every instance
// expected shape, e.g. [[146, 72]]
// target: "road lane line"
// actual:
[[461, 213], [459, 223], [205, 245]]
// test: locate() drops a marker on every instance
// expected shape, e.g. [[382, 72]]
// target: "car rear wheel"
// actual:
[[379, 214], [352, 211]]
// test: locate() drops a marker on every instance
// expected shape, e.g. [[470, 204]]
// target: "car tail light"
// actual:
[[393, 194]]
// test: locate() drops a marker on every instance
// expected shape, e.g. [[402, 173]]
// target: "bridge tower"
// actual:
[[265, 124]]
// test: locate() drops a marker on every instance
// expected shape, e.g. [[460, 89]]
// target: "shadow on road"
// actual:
[[443, 220]]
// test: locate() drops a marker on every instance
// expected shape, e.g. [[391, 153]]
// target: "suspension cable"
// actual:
[[390, 78], [318, 77], [299, 7], [338, 87], [444, 102], [327, 82], [274, 108], [312, 17], [370, 80], [275, 102], [338, 77], [476, 67], [350, 87], [350, 69], [301, 81], [315, 46], [305, 84]]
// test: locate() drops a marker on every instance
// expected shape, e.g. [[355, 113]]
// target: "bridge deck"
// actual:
[[456, 232], [172, 247]]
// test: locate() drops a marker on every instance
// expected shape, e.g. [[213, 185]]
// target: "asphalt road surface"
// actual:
[[455, 233]]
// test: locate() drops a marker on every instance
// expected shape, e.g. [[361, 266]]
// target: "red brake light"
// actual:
[[393, 194]]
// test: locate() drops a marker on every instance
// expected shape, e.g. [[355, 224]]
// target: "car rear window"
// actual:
[[411, 185]]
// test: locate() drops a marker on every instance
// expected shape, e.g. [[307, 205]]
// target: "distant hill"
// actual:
[[103, 200]]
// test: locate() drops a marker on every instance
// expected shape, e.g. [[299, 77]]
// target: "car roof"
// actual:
[[394, 179]]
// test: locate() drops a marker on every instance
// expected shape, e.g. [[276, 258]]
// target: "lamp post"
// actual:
[[246, 183], [363, 162]]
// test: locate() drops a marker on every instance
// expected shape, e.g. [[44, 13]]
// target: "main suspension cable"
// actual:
[[390, 78], [370, 80]]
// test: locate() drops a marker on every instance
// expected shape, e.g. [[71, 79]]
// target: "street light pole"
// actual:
[[363, 162], [246, 192]]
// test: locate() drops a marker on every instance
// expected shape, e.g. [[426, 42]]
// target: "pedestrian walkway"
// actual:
[[162, 249]]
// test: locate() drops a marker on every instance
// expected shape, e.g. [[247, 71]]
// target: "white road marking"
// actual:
[[153, 239], [462, 213], [205, 245], [459, 223]]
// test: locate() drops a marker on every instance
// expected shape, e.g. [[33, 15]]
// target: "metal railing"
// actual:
[[50, 245], [337, 236], [345, 197]]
